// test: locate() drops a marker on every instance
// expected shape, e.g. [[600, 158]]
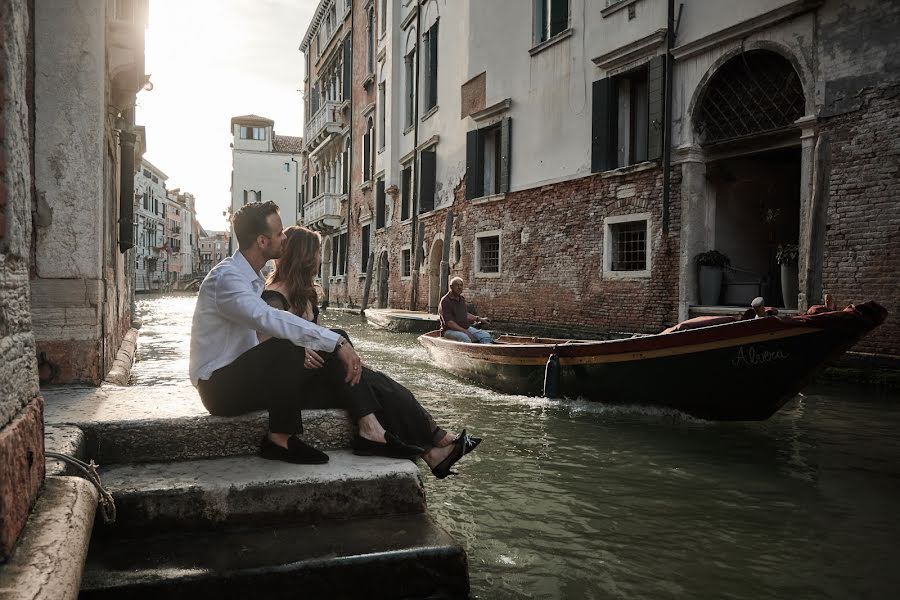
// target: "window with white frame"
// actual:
[[626, 246], [406, 261], [488, 255], [253, 133], [382, 111], [367, 150], [551, 17]]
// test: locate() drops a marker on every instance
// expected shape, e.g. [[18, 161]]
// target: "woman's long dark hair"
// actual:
[[296, 269]]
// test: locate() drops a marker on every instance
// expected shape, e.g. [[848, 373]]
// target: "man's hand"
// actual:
[[313, 360], [352, 364]]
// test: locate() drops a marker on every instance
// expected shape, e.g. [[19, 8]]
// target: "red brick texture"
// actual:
[[22, 465], [552, 255], [862, 244]]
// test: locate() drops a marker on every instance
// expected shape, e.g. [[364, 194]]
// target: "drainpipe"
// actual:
[[297, 187], [416, 239], [126, 191], [667, 118], [349, 154]]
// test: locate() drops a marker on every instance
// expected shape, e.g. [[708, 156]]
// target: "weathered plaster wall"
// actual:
[[70, 104], [265, 171], [21, 422]]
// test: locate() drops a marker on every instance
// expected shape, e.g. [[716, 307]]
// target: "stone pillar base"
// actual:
[[22, 468]]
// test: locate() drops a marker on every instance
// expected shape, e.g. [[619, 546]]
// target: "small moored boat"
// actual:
[[741, 370]]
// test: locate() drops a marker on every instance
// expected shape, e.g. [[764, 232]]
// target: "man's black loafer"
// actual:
[[394, 448], [297, 452]]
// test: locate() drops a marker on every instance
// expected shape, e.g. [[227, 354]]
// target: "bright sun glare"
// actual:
[[211, 60]]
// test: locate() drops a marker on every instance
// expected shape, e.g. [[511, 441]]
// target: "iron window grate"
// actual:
[[489, 253], [629, 246], [755, 92]]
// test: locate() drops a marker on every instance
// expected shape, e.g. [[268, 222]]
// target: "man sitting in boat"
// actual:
[[456, 320]]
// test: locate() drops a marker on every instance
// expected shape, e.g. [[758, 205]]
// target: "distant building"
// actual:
[[149, 228], [265, 166], [213, 248], [541, 127]]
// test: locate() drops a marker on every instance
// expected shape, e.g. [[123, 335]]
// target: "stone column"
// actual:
[[697, 222], [812, 218]]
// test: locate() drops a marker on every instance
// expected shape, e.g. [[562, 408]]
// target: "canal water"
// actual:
[[571, 499]]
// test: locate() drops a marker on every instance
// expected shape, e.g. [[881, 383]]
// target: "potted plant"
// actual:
[[787, 256], [711, 264]]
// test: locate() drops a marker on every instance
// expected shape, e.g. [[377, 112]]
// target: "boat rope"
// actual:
[[107, 503]]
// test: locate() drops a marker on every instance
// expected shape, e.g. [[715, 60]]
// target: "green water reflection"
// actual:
[[569, 499]]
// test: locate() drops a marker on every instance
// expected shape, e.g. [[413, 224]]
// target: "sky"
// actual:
[[209, 61]]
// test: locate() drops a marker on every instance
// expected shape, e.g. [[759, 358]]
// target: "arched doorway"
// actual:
[[434, 274], [384, 271], [745, 121]]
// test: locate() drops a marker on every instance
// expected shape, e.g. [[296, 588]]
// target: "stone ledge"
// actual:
[[22, 469], [164, 423], [121, 369], [203, 494], [49, 559], [65, 440]]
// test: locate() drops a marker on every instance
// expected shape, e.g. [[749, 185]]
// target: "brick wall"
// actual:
[[552, 258], [862, 244], [21, 421]]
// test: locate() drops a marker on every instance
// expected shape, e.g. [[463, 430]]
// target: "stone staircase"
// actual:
[[200, 515]]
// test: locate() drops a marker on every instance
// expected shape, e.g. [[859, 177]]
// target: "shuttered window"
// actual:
[[427, 175], [405, 193], [367, 152], [410, 88], [430, 70], [380, 204], [627, 119], [488, 159], [364, 252]]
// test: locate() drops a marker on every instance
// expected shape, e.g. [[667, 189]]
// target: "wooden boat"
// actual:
[[402, 321], [742, 370]]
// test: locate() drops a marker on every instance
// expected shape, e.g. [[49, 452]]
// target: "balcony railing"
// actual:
[[324, 210], [326, 120]]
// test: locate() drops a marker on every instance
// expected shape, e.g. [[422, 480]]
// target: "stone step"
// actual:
[[250, 490], [48, 558], [169, 423], [397, 557]]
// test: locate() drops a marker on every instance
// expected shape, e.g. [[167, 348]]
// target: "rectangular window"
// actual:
[[287, 167], [629, 246], [253, 133], [627, 117], [364, 254], [551, 17], [626, 246], [488, 160], [487, 252], [410, 88], [380, 205], [147, 173], [406, 262], [405, 193], [430, 42], [154, 178]]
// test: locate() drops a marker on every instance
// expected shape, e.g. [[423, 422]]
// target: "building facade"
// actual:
[[68, 151], [548, 145], [149, 236], [265, 166], [214, 246]]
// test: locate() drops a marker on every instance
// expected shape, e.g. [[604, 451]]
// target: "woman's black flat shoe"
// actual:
[[394, 448], [470, 442], [442, 469]]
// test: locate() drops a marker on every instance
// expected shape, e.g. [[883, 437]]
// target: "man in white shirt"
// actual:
[[232, 371]]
